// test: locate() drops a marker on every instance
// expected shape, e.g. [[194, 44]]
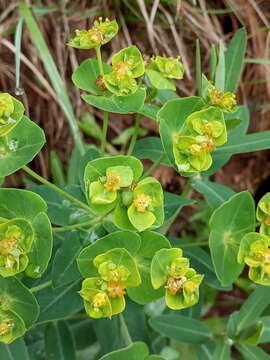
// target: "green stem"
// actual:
[[55, 188], [104, 131], [76, 226], [186, 189], [135, 134], [41, 286], [124, 333], [99, 59], [154, 166]]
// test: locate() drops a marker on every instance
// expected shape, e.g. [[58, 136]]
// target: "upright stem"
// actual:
[[99, 59], [55, 188], [124, 331], [104, 131], [106, 114], [135, 134], [154, 166]]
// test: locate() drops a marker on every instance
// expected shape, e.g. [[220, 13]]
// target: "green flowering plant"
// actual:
[[160, 70], [263, 214], [101, 33], [171, 270], [254, 251], [92, 242], [127, 65]]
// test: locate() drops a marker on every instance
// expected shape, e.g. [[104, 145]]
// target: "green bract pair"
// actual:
[[11, 112], [101, 33], [104, 296], [182, 283], [25, 233], [113, 184], [18, 309], [161, 70], [127, 65], [255, 247], [202, 132], [142, 265]]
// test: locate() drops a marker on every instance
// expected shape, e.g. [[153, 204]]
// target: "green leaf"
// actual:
[[222, 350], [172, 118], [198, 68], [252, 308], [215, 194], [234, 59], [57, 170], [60, 210], [135, 351], [149, 110], [89, 126], [124, 137], [17, 298], [16, 350], [119, 239], [117, 104], [250, 352], [221, 69], [158, 80], [173, 204], [52, 72], [85, 76], [20, 146], [59, 342], [265, 336], [59, 303], [181, 328], [150, 148], [229, 223], [244, 144], [213, 62], [151, 242], [64, 269]]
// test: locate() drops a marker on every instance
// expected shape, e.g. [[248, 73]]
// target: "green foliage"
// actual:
[[108, 254]]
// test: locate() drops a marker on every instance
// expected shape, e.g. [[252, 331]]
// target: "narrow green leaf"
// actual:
[[53, 73], [57, 170], [234, 59], [222, 351], [221, 69], [215, 194], [18, 41], [198, 68], [213, 62], [250, 352], [257, 61], [15, 351], [181, 328], [244, 144], [265, 336], [253, 307], [59, 341]]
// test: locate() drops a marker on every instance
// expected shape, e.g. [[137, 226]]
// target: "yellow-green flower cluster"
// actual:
[[101, 33], [104, 296], [127, 65], [170, 269], [204, 130]]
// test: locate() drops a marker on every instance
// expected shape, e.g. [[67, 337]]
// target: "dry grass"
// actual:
[[155, 26]]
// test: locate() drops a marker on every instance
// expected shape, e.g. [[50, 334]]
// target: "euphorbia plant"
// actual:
[[112, 259]]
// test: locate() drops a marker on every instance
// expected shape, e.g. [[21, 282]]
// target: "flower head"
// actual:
[[101, 33], [263, 214], [180, 281], [6, 107], [254, 251], [112, 181], [14, 246], [11, 326], [225, 100], [142, 202], [127, 65]]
